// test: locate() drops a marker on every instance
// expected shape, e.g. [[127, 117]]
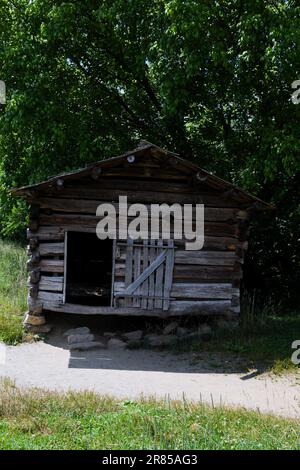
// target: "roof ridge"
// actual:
[[212, 180]]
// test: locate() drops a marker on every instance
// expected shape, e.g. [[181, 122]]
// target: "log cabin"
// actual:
[[71, 270]]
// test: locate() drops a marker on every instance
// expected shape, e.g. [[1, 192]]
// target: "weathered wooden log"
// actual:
[[210, 228], [48, 233], [35, 306], [51, 283], [33, 291], [51, 249], [203, 291], [142, 185], [35, 256], [206, 258], [206, 272], [205, 307], [52, 265], [89, 207], [139, 171], [183, 273], [33, 261], [142, 196], [54, 297], [194, 268], [33, 225], [202, 257], [176, 308], [33, 243], [34, 276], [220, 291]]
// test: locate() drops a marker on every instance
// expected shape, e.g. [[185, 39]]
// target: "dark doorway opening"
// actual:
[[89, 269]]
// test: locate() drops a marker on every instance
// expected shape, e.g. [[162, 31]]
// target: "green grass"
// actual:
[[37, 419], [13, 291]]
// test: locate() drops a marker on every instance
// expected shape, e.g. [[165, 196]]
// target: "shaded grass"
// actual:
[[37, 419], [12, 291], [261, 340]]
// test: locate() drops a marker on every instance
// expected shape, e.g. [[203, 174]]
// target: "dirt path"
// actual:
[[131, 373]]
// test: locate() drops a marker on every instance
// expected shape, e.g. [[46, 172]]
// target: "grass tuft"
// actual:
[[13, 291]]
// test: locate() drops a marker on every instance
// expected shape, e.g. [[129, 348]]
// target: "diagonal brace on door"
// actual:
[[146, 273]]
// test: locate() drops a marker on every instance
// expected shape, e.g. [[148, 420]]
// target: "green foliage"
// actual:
[[36, 419], [13, 291], [210, 79]]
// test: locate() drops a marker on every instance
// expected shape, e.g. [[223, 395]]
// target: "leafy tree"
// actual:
[[209, 79]]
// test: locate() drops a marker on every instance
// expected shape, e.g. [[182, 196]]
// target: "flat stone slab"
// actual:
[[80, 338], [34, 320], [85, 346], [83, 330], [115, 343], [38, 328], [133, 335]]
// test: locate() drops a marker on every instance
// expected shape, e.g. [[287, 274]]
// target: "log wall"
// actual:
[[204, 282]]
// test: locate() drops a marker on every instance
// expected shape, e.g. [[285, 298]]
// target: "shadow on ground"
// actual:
[[143, 359]]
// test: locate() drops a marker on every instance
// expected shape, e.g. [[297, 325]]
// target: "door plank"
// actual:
[[159, 279], [168, 275], [145, 286], [128, 269]]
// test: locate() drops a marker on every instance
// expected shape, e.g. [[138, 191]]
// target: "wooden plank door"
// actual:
[[146, 280]]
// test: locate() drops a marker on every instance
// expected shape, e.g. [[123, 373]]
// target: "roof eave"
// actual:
[[28, 191]]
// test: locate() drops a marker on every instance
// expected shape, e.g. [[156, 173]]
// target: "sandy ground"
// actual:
[[132, 373]]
